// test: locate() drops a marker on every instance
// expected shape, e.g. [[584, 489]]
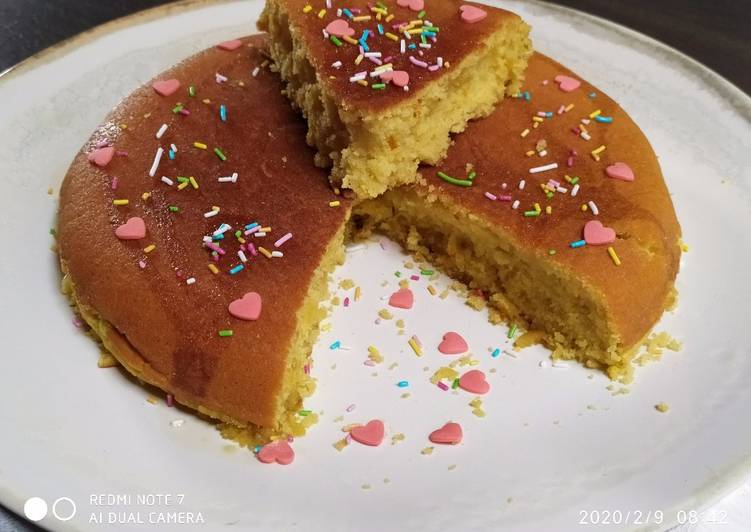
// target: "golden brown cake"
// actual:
[[556, 209], [168, 305], [383, 84]]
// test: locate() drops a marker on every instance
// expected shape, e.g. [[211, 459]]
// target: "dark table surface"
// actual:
[[716, 33]]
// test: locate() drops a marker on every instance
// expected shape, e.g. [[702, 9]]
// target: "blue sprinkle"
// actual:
[[549, 114], [256, 449], [251, 226], [604, 119], [364, 45], [223, 113], [365, 34], [429, 33], [380, 29], [402, 384], [412, 46], [592, 94], [495, 352], [348, 13], [527, 96], [236, 269], [335, 345], [171, 155], [578, 244], [218, 237]]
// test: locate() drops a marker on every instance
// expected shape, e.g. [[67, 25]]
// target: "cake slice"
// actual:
[[169, 269], [383, 84], [555, 208]]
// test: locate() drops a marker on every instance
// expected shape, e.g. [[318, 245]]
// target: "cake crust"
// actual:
[[170, 328]]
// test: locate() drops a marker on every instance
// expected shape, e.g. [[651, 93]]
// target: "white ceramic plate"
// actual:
[[538, 460]]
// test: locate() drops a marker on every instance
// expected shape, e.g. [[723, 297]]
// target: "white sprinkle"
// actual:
[[425, 45], [220, 78], [543, 153], [406, 88], [242, 256], [515, 205], [593, 207], [190, 280], [211, 213], [339, 12], [155, 164], [402, 46], [277, 254], [167, 180], [585, 121], [174, 148], [561, 109], [177, 422], [575, 190], [358, 77], [259, 234], [504, 186], [336, 64], [585, 136], [222, 229], [560, 365], [328, 4], [161, 131], [490, 196], [208, 239], [229, 179], [545, 168], [255, 72], [372, 54], [562, 190], [522, 183], [439, 62]]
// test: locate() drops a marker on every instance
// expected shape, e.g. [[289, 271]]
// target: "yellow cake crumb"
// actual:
[[106, 360], [375, 355], [385, 314], [346, 284], [151, 399], [662, 407], [396, 438], [335, 301], [427, 450]]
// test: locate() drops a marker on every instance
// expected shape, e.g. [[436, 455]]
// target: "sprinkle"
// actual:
[[614, 256], [595, 113], [277, 254], [545, 168], [173, 148], [525, 133], [224, 333], [220, 154], [193, 182], [211, 213], [512, 331], [149, 248], [596, 152], [417, 62], [455, 181], [161, 131], [120, 202], [223, 113], [282, 240], [213, 269], [522, 184], [604, 119], [402, 384], [307, 9], [530, 214], [432, 290], [578, 244], [228, 179], [155, 164], [415, 346], [490, 196], [350, 408], [167, 181], [357, 293], [515, 205], [442, 385], [455, 384], [237, 269], [336, 64], [335, 40], [495, 352], [322, 13], [335, 345], [265, 252], [191, 91], [190, 280], [174, 208], [575, 190], [593, 207], [255, 72], [199, 145]]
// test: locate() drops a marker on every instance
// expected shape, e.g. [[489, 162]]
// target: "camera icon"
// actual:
[[36, 509]]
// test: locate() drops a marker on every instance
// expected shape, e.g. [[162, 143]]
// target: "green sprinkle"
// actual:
[[226, 332], [220, 154], [549, 194], [176, 109], [531, 213], [181, 179], [575, 180], [238, 234], [378, 86], [455, 181], [304, 413], [433, 29], [335, 40], [455, 384], [398, 274], [472, 175], [53, 231], [427, 272], [174, 208], [192, 90], [512, 331], [421, 14]]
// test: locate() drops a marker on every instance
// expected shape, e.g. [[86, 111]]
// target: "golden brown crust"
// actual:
[[171, 325], [456, 39], [641, 212]]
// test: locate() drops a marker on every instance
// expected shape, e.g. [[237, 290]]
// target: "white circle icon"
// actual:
[[64, 509], [35, 509]]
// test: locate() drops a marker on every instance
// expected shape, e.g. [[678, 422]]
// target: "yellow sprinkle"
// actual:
[[266, 229], [183, 185], [614, 256], [213, 269], [334, 203], [525, 133], [120, 202], [391, 36], [535, 125], [357, 293], [362, 82], [151, 399], [584, 207], [415, 22], [265, 252], [416, 348], [359, 59], [149, 248], [385, 314], [361, 18], [350, 40], [378, 10], [381, 68], [414, 31], [389, 18], [569, 107], [596, 152], [374, 355], [583, 129], [322, 13], [145, 196], [537, 119], [537, 207], [549, 209], [595, 113], [206, 101], [567, 178], [431, 290], [530, 153], [307, 9], [194, 182], [427, 450], [199, 145], [215, 208]]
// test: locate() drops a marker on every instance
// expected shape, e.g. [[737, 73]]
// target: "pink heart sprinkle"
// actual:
[[279, 451], [248, 307], [370, 434], [414, 5], [474, 382], [596, 234], [620, 171], [472, 14], [453, 344], [566, 83], [402, 298], [339, 28], [166, 87], [450, 433], [230, 46], [102, 156], [133, 229]]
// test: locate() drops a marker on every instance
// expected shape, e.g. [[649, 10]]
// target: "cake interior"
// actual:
[[372, 151]]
